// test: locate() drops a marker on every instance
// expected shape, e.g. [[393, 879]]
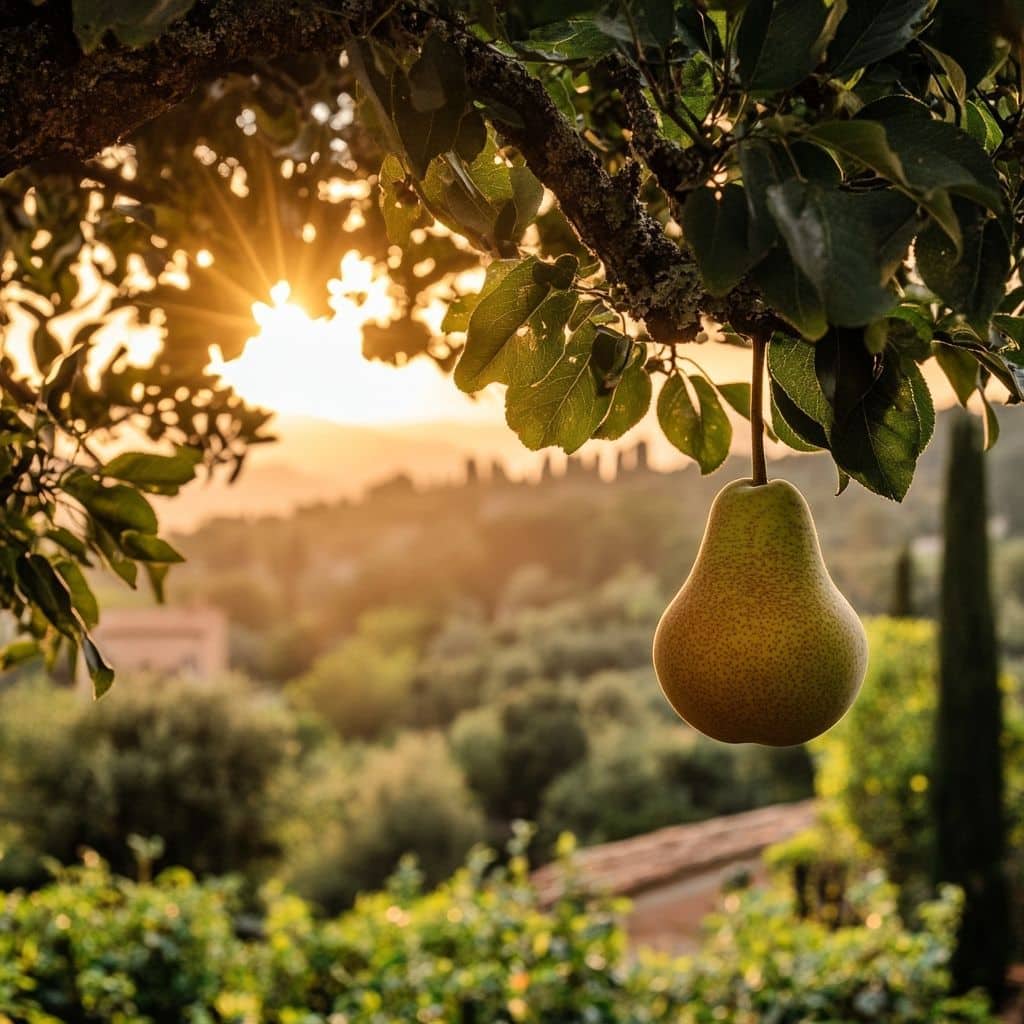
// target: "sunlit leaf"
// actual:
[[630, 402], [161, 474], [567, 406], [702, 431]]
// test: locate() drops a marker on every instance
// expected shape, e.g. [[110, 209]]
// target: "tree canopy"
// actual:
[[836, 181]]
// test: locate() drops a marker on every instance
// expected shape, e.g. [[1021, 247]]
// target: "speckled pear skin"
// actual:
[[759, 645]]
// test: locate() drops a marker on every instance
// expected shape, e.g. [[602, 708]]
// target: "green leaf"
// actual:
[[527, 193], [47, 591], [573, 40], [17, 652], [516, 332], [1011, 326], [82, 596], [780, 42], [879, 441], [159, 474], [45, 347], [157, 573], [960, 368], [973, 282], [612, 353], [935, 155], [982, 126], [100, 672], [429, 102], [134, 22], [991, 422], [399, 205], [716, 230], [791, 294], [791, 365], [951, 69], [146, 548], [786, 431], [863, 141], [437, 76], [737, 395], [567, 406], [833, 242], [872, 30], [705, 433], [469, 197], [630, 402], [117, 507], [69, 542]]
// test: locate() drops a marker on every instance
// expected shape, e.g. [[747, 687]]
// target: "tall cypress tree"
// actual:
[[968, 784], [901, 604]]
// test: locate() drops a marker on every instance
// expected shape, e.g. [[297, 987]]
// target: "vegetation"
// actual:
[[968, 795], [706, 166], [479, 948], [202, 768]]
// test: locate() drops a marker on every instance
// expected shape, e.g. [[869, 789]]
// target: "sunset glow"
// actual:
[[305, 367]]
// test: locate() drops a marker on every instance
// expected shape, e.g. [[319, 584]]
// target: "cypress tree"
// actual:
[[968, 777], [901, 604]]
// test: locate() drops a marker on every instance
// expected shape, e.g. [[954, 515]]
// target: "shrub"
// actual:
[[92, 948], [199, 766], [361, 687], [761, 964], [480, 949], [512, 752], [877, 763], [409, 798]]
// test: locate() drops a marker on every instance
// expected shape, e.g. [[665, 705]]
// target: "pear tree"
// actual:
[[834, 184]]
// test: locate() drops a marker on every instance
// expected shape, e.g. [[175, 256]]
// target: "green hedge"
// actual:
[[480, 949]]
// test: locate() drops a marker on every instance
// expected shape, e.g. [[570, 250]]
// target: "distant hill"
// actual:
[[316, 461]]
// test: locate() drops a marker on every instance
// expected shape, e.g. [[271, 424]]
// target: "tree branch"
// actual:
[[657, 280], [57, 101]]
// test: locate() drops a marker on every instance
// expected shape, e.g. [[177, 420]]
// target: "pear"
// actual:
[[759, 645]]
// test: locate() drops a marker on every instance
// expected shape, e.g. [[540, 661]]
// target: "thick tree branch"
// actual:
[[57, 101], [658, 281]]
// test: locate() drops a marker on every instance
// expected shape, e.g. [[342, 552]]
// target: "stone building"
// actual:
[[163, 641]]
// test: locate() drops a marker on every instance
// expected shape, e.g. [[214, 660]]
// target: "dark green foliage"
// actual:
[[407, 799], [513, 752], [968, 785], [198, 766]]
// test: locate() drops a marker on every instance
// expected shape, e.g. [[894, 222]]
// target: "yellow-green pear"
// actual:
[[759, 645]]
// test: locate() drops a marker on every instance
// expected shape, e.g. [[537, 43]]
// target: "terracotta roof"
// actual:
[[644, 862]]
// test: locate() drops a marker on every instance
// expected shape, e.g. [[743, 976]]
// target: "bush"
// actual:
[[409, 798], [513, 751], [92, 948], [199, 766], [650, 773], [361, 687], [760, 964], [876, 764]]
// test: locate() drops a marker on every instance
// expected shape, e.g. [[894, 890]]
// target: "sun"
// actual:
[[303, 367]]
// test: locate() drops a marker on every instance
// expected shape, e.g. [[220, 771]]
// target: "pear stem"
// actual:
[[757, 461]]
